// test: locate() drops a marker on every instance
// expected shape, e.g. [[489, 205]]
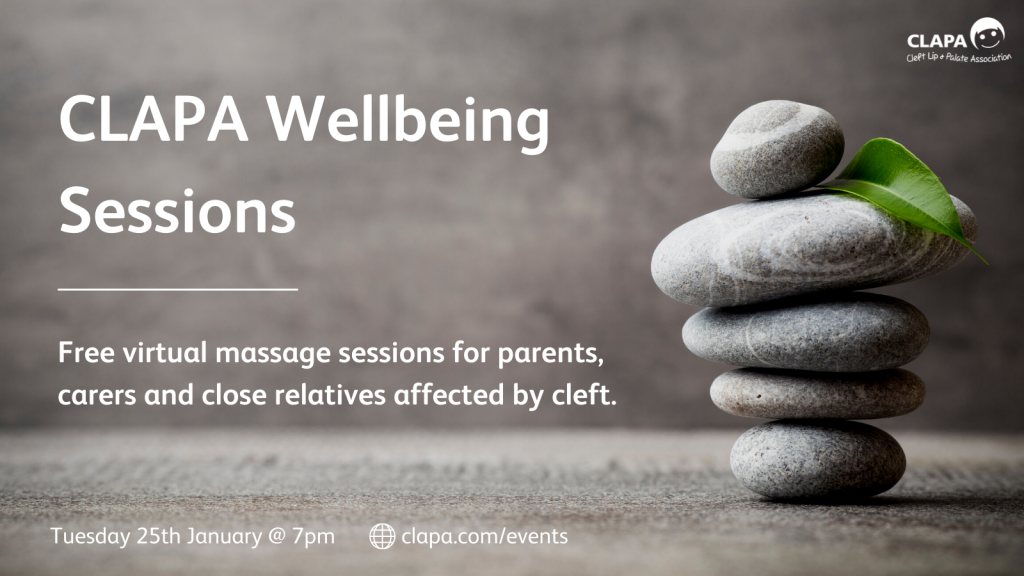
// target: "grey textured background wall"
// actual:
[[429, 243]]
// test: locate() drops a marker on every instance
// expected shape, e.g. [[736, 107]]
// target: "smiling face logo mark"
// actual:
[[987, 33]]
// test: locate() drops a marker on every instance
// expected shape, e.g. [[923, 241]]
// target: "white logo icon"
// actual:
[[987, 32], [382, 536]]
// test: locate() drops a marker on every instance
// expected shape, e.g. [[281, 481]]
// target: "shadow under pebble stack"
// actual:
[[777, 275]]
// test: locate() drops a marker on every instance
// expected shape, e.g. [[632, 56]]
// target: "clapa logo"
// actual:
[[987, 33]]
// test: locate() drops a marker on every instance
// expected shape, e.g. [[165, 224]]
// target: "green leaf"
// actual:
[[888, 175]]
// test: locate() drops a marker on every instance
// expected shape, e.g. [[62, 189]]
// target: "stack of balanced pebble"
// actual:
[[778, 275]]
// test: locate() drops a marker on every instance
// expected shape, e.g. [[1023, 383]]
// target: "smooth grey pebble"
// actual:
[[777, 147], [763, 393], [770, 249], [817, 459], [845, 332]]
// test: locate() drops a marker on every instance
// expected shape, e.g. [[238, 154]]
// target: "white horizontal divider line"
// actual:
[[177, 289]]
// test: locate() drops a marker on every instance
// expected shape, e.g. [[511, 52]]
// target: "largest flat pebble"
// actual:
[[817, 459], [845, 332], [769, 249]]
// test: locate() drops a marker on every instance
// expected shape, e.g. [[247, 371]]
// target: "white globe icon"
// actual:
[[382, 536]]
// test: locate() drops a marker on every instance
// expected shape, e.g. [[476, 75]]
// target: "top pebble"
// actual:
[[777, 147]]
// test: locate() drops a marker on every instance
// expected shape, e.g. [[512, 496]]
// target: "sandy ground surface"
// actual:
[[627, 502]]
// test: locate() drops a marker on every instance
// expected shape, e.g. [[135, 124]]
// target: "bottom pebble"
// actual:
[[817, 459]]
